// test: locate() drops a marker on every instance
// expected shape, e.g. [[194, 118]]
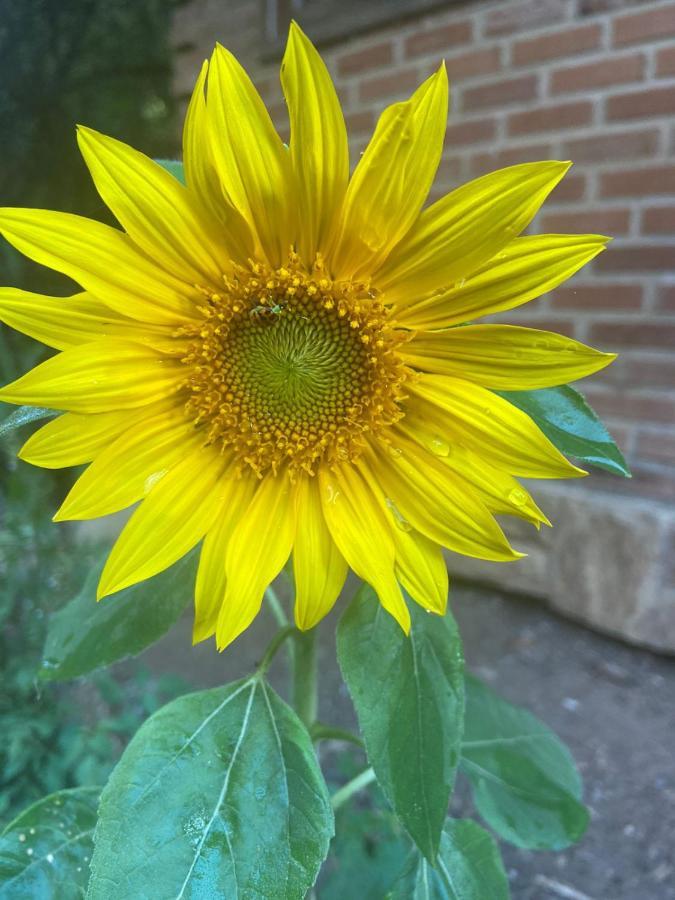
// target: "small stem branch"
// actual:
[[277, 607], [352, 787], [282, 635], [305, 696], [321, 732]]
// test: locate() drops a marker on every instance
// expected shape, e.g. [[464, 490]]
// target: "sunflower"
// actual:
[[268, 357]]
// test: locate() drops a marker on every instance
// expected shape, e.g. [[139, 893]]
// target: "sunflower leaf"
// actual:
[[173, 167], [409, 698], [524, 781], [218, 794], [468, 867], [568, 421], [85, 635], [44, 852], [24, 415]]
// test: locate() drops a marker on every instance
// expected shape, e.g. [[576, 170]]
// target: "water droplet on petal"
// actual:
[[438, 446], [518, 497], [399, 518], [394, 451]]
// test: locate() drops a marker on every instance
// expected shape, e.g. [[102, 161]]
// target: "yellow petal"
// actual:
[[174, 517], [318, 145], [128, 469], [98, 377], [256, 553], [210, 586], [491, 426], [421, 569], [63, 322], [525, 268], [318, 566], [154, 208], [363, 535], [101, 259], [76, 438], [465, 228], [392, 179], [497, 489], [202, 179], [504, 357], [251, 160], [430, 497]]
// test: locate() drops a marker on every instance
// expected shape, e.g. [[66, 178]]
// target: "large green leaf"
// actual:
[[45, 851], [85, 635], [468, 867], [219, 794], [409, 698], [174, 167], [24, 415], [525, 784], [569, 422]]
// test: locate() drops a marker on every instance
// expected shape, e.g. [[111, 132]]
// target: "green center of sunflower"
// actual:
[[289, 367]]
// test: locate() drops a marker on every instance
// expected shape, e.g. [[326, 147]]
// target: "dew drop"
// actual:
[[22, 838], [260, 793], [31, 830], [518, 497], [29, 851], [394, 451], [440, 447], [50, 857], [332, 494], [400, 520]]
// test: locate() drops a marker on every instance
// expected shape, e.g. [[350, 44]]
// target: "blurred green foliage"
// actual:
[[107, 64]]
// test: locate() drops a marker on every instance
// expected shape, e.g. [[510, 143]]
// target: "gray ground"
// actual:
[[614, 706]]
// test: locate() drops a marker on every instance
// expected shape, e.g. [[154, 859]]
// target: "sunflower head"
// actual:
[[266, 358]]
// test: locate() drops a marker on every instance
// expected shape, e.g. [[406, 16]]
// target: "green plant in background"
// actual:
[[106, 63]]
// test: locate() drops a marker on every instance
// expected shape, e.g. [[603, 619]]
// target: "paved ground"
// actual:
[[614, 706]]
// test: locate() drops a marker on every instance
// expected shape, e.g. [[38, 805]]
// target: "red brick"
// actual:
[[399, 83], [665, 298], [665, 62], [597, 221], [592, 298], [656, 445], [368, 58], [638, 182], [360, 122], [652, 24], [512, 17], [606, 72], [653, 335], [474, 131], [481, 163], [551, 118], [559, 43], [640, 258], [658, 220], [641, 104], [657, 370], [570, 190], [637, 406], [611, 147], [477, 62], [647, 481], [500, 93], [432, 40]]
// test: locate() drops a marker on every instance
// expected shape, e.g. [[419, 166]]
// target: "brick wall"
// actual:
[[588, 80]]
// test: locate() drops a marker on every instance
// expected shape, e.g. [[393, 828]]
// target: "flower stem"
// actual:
[[282, 635], [277, 607], [305, 694], [352, 787]]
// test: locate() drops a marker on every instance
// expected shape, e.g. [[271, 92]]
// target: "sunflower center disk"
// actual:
[[290, 367]]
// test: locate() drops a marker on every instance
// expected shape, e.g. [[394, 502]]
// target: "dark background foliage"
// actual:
[[107, 64]]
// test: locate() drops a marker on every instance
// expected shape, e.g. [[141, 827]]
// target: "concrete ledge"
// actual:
[[605, 562]]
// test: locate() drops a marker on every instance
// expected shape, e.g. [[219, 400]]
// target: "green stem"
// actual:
[[352, 787], [305, 694], [282, 635], [277, 607], [322, 732]]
